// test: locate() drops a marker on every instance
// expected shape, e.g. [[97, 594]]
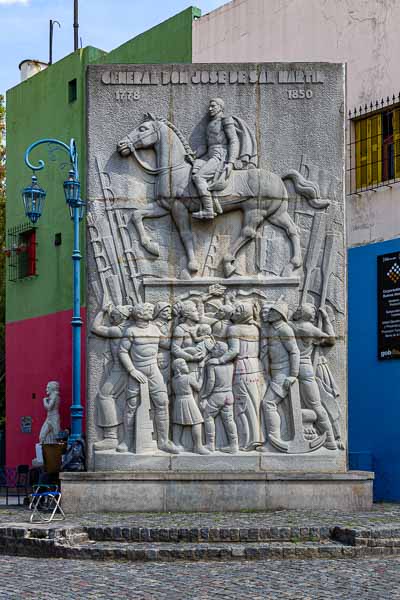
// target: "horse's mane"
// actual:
[[189, 153]]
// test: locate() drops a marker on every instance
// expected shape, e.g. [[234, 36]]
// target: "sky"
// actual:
[[105, 24]]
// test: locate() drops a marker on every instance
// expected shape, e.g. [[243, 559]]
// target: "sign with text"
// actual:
[[389, 306], [26, 424]]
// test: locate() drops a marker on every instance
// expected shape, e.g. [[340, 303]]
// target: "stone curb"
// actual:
[[45, 548], [173, 543], [364, 536], [208, 534]]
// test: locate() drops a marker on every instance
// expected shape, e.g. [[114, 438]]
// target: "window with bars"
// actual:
[[375, 149], [21, 252]]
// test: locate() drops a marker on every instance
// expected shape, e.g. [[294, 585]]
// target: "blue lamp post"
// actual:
[[33, 197]]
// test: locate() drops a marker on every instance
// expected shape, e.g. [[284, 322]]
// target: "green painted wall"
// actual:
[[39, 108], [168, 42]]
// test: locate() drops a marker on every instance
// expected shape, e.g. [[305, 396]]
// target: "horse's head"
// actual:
[[145, 135]]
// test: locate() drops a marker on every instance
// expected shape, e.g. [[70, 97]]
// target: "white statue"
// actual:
[[51, 426]]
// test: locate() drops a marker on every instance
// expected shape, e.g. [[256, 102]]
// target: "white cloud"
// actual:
[[14, 1]]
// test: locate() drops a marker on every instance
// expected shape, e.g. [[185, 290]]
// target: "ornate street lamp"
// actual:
[[33, 197], [72, 192]]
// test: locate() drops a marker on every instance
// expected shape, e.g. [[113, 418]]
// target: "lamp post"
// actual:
[[33, 197]]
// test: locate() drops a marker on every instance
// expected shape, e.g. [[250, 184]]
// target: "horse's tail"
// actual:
[[306, 188]]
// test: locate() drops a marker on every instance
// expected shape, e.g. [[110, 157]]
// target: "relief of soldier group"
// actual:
[[242, 361], [237, 372]]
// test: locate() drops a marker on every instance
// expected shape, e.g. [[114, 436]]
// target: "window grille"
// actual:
[[374, 146], [21, 252]]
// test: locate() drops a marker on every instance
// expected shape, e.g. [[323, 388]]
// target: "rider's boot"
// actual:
[[207, 210]]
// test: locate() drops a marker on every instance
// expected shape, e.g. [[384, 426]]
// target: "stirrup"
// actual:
[[204, 215]]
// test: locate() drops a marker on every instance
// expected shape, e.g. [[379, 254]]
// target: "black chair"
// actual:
[[15, 482], [23, 480]]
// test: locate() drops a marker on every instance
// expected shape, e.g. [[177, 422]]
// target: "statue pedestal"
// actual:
[[38, 460], [213, 491], [320, 461]]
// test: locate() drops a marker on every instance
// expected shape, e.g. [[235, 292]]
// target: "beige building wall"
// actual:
[[363, 33]]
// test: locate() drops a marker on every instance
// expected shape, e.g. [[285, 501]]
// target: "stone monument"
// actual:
[[216, 289]]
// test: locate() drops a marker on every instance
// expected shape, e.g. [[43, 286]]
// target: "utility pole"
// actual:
[[52, 23], [76, 26]]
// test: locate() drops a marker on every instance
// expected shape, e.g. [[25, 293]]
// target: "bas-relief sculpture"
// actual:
[[188, 187], [200, 356]]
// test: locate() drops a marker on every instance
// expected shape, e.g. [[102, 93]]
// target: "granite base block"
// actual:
[[322, 461], [205, 491], [109, 460]]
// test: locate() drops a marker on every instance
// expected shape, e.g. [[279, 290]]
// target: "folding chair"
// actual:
[[46, 504]]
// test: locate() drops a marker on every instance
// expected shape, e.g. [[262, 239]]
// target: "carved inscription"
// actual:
[[210, 77], [123, 95], [298, 94]]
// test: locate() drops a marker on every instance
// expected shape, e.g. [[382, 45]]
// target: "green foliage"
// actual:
[[2, 257]]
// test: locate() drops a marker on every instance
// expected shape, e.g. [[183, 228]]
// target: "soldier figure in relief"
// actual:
[[138, 353], [220, 154], [110, 402], [243, 338], [162, 317], [281, 358], [308, 336], [217, 399], [184, 335]]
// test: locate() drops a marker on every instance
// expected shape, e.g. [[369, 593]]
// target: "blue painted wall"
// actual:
[[374, 385]]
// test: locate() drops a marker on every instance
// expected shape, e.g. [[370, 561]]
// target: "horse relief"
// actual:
[[221, 177]]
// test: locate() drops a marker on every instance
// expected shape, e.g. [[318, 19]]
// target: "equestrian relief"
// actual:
[[220, 177]]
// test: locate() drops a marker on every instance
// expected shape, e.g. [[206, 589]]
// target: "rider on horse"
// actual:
[[228, 140]]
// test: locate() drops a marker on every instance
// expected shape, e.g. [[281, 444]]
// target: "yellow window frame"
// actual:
[[368, 146], [396, 141]]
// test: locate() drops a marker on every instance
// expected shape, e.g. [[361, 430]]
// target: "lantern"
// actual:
[[33, 197]]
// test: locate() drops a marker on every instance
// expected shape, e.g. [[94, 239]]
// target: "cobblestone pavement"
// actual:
[[379, 515], [57, 579]]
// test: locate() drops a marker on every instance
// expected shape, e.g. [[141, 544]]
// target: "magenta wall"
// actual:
[[38, 350]]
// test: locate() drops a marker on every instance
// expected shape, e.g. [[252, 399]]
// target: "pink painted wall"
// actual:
[[38, 350]]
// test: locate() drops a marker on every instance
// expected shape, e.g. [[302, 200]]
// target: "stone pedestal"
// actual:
[[324, 461], [209, 491]]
